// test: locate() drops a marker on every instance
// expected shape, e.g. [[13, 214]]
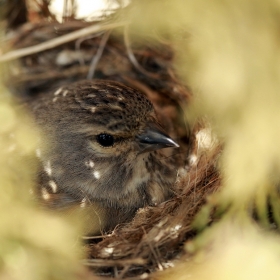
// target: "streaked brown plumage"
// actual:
[[103, 150]]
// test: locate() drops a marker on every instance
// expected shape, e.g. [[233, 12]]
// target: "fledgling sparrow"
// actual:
[[103, 150]]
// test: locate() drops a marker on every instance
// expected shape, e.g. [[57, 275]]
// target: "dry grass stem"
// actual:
[[59, 41]]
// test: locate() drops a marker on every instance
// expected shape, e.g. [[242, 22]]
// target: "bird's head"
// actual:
[[105, 145]]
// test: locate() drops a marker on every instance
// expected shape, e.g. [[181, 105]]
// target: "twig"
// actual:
[[80, 41], [141, 276], [59, 41], [104, 263], [95, 237], [133, 59], [98, 55]]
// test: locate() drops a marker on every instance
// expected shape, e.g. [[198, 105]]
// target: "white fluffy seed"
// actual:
[[96, 174], [45, 194], [53, 186]]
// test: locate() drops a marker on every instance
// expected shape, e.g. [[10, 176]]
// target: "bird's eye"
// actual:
[[105, 140]]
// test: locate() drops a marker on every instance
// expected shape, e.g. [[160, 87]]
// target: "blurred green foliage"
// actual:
[[33, 244], [228, 53]]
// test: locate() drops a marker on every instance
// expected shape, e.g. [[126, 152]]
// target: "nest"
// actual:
[[52, 54]]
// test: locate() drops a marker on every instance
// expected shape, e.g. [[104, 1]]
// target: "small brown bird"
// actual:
[[103, 151]]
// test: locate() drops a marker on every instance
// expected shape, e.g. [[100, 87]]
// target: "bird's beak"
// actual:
[[154, 138]]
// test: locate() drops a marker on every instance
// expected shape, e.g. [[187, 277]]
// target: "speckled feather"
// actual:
[[76, 170]]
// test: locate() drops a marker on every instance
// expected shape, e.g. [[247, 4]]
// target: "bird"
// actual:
[[101, 149]]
